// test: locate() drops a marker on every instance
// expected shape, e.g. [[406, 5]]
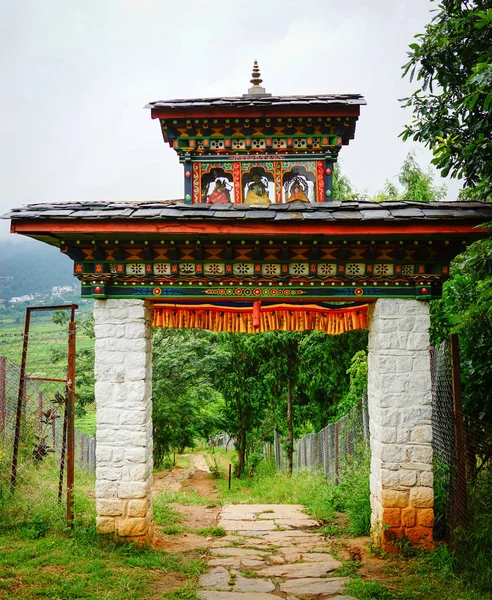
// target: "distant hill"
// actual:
[[28, 267]]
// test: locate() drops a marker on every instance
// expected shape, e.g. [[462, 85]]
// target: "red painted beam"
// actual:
[[267, 111], [340, 228]]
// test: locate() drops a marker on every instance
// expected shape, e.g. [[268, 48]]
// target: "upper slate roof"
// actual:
[[294, 211], [260, 100]]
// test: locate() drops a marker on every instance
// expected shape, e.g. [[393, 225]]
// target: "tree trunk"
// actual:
[[290, 427], [241, 451]]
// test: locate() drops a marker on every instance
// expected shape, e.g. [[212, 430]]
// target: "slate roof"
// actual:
[[260, 100], [295, 211]]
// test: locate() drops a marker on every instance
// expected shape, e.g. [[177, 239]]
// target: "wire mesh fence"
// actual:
[[329, 449], [462, 447], [85, 451], [36, 398]]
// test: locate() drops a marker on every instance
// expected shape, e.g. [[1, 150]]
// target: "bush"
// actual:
[[352, 495], [473, 544]]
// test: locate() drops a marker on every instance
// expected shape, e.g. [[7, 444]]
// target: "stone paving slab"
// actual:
[[298, 570], [258, 508], [321, 557], [295, 522], [247, 585], [313, 586], [216, 579], [235, 562], [242, 552], [206, 595], [247, 525]]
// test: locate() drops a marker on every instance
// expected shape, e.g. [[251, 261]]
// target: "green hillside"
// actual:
[[29, 267]]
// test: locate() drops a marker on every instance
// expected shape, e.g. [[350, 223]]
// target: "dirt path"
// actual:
[[270, 551], [177, 479]]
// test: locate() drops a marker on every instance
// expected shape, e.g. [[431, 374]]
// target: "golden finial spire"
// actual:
[[256, 75], [256, 89]]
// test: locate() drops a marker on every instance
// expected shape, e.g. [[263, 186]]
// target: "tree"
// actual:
[[452, 61], [418, 185], [342, 188], [183, 367], [325, 361], [280, 370], [466, 308], [239, 382]]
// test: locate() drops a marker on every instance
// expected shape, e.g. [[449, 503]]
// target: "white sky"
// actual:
[[75, 75]]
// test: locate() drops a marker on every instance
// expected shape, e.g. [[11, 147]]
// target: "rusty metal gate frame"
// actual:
[[68, 443]]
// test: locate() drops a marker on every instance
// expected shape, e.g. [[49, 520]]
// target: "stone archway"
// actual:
[[399, 397], [393, 255]]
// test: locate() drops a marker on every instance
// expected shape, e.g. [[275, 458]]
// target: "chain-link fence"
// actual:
[[85, 451], [329, 449], [462, 446], [36, 417]]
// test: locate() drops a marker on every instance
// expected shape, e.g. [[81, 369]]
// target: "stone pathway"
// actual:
[[270, 552]]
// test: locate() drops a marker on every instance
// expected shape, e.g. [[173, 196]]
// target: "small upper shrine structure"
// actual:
[[258, 149]]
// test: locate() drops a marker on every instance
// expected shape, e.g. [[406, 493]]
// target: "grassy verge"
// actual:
[[40, 558], [423, 576], [83, 566], [270, 486]]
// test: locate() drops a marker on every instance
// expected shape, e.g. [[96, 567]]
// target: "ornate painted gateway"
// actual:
[[258, 244]]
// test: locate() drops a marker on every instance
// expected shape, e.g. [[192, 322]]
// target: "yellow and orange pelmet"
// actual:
[[257, 318]]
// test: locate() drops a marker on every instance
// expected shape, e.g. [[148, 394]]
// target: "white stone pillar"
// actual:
[[123, 374], [400, 409]]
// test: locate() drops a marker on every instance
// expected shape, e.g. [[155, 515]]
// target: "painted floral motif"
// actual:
[[354, 269], [407, 270], [383, 269], [270, 269], [243, 269], [214, 268], [298, 268], [162, 268], [186, 268], [135, 269], [326, 269]]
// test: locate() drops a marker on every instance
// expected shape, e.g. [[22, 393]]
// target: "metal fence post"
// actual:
[[40, 411], [20, 400]]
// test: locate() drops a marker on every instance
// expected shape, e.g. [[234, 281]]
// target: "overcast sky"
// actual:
[[75, 76]]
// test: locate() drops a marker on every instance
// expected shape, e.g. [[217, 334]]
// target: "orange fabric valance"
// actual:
[[258, 318]]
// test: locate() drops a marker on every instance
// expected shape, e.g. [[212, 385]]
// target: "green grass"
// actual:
[[165, 515], [87, 423], [428, 575], [188, 498], [352, 495], [39, 558], [269, 486], [187, 592], [82, 566], [211, 531]]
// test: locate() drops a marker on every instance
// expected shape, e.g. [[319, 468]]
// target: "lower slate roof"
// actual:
[[294, 211]]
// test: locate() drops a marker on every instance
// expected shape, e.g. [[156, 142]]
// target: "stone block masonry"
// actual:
[[123, 374], [400, 408]]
